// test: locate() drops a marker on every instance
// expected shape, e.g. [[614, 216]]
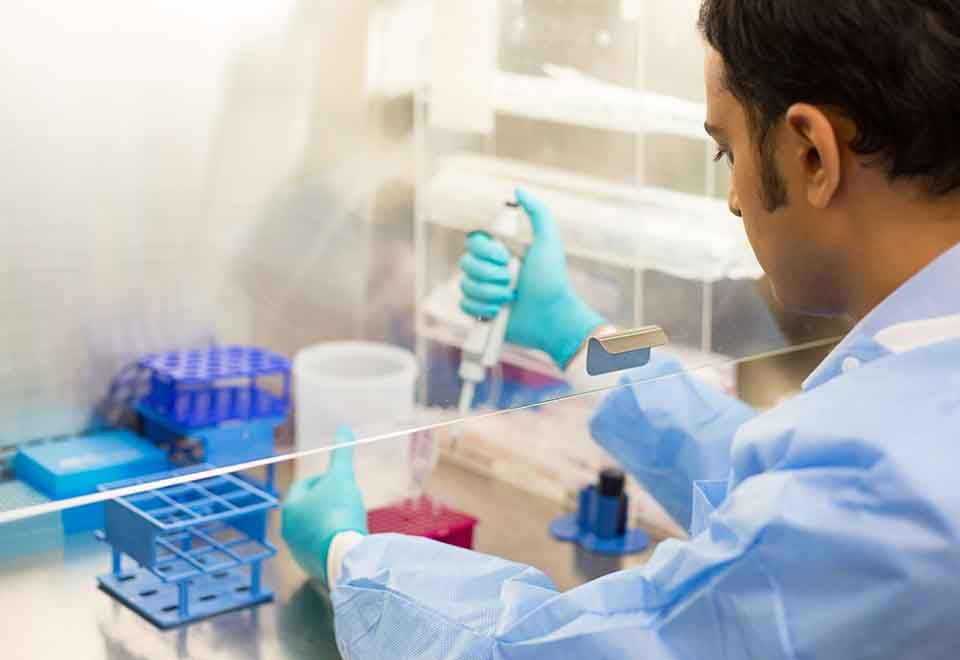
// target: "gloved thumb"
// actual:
[[341, 459], [540, 217]]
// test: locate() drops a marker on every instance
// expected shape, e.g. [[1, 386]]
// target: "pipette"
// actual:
[[484, 343]]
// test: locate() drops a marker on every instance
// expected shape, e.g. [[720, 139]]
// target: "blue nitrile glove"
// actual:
[[547, 314], [318, 508]]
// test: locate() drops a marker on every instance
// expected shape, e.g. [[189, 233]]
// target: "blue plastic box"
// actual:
[[30, 535], [71, 466]]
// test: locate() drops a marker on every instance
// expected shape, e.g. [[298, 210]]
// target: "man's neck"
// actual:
[[901, 237]]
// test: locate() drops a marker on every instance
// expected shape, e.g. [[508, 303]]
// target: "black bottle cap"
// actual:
[[611, 482]]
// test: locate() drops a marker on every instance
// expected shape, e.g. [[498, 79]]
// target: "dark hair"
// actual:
[[890, 66]]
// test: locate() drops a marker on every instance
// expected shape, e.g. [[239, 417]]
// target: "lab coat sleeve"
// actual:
[[669, 429], [779, 572]]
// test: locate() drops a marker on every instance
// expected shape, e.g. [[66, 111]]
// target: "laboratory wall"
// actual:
[[178, 173]]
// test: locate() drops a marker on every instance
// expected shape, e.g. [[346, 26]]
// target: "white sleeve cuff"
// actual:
[[341, 544]]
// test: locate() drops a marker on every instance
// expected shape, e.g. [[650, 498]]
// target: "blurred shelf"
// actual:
[[570, 98], [623, 226], [565, 96]]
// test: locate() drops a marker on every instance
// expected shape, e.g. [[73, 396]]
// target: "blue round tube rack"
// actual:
[[600, 523]]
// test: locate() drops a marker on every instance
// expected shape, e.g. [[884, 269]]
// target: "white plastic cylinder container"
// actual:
[[369, 387]]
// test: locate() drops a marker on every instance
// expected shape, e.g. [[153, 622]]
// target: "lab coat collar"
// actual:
[[924, 311]]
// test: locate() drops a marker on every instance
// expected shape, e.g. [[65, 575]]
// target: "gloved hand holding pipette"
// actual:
[[546, 313]]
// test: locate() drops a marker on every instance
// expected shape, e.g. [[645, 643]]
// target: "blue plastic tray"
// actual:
[[76, 465], [30, 535]]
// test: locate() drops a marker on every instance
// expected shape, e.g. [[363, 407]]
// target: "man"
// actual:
[[839, 534]]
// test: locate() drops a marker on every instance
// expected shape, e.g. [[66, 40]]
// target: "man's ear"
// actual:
[[816, 147]]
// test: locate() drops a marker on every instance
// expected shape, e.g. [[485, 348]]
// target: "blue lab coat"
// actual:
[[828, 527]]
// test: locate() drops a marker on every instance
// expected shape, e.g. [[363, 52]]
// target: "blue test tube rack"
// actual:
[[200, 388], [218, 405], [198, 547]]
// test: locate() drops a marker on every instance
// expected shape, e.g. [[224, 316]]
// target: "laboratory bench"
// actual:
[[50, 606]]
